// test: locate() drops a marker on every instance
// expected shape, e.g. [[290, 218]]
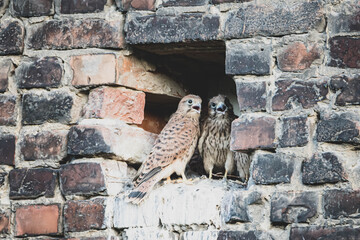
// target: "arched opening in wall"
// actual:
[[197, 68]]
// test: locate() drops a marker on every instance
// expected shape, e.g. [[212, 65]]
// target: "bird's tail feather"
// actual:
[[138, 194]]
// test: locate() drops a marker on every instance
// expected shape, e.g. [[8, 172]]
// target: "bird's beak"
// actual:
[[197, 107], [221, 108]]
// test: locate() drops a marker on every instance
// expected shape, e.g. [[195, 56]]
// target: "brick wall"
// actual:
[[79, 112]]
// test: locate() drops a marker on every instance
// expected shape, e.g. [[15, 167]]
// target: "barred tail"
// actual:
[[137, 195]]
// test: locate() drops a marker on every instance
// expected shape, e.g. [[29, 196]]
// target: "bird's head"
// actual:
[[219, 107], [190, 105]]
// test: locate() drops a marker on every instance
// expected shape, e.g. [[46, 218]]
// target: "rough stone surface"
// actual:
[[117, 139], [272, 168], [3, 176], [295, 132], [84, 215], [7, 149], [171, 29], [293, 207], [54, 106], [74, 6], [291, 93], [323, 168], [274, 19], [46, 145], [93, 69], [348, 88], [344, 18], [116, 103], [5, 67], [248, 58], [76, 33], [8, 111], [229, 1], [174, 3], [11, 37], [226, 235], [82, 179], [296, 57], [32, 8], [338, 129], [4, 222], [150, 233], [32, 183], [37, 220], [140, 74], [344, 52], [126, 5], [341, 203], [253, 133], [251, 95], [39, 73], [329, 233]]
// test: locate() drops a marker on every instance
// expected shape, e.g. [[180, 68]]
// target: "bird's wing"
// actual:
[[172, 143]]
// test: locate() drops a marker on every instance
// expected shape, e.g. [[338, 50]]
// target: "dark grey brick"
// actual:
[[341, 203], [32, 8], [75, 6], [251, 95], [174, 3], [295, 132], [328, 233], [11, 37], [344, 52], [7, 149], [349, 89]]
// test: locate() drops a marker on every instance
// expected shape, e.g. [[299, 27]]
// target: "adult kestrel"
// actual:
[[214, 142], [172, 149]]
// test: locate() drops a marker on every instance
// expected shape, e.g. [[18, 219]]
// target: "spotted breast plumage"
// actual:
[[172, 150], [214, 142]]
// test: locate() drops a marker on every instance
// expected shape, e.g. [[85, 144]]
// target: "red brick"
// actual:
[[341, 203], [96, 69], [344, 52], [349, 89], [296, 57], [82, 178], [314, 232], [32, 8], [143, 4], [154, 121], [116, 103], [76, 33], [37, 220], [7, 150], [5, 67], [84, 215], [4, 222], [8, 110], [253, 133], [89, 6], [44, 145], [11, 37]]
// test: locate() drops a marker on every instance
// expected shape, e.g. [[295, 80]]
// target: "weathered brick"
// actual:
[[154, 120], [174, 3], [117, 103], [248, 235], [344, 52], [82, 179], [54, 106], [272, 168], [295, 132], [8, 113], [229, 1], [117, 140], [93, 69], [76, 33], [32, 183], [322, 168], [3, 176], [44, 145], [349, 89], [296, 57], [4, 221], [32, 8], [84, 215], [341, 203], [7, 149], [126, 5], [167, 29], [247, 58], [290, 92], [251, 95], [328, 233], [274, 19], [293, 207], [344, 18], [3, 6], [338, 129], [32, 220], [74, 6], [39, 73], [5, 67], [253, 133], [11, 37], [138, 73]]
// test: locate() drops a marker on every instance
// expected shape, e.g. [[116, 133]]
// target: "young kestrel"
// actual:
[[214, 142], [172, 150]]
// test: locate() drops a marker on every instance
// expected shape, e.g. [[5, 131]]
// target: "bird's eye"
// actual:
[[212, 105], [190, 101]]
